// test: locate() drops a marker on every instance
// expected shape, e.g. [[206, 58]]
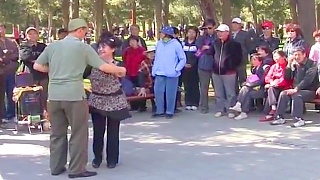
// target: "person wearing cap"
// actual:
[[227, 59], [65, 61], [303, 71], [29, 51], [8, 65], [62, 33], [243, 38], [266, 39], [205, 62], [170, 59]]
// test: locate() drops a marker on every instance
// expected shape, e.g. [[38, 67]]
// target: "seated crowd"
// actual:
[[280, 80]]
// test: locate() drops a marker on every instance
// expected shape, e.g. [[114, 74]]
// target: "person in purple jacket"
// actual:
[[170, 59]]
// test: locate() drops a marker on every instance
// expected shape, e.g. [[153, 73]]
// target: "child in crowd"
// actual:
[[253, 88]]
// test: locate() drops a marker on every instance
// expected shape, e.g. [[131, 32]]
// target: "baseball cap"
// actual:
[[236, 20], [31, 28], [223, 27], [77, 23]]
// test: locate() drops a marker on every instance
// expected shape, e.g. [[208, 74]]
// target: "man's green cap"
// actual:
[[75, 24]]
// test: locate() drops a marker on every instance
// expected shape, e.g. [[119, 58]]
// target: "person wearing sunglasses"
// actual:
[[266, 39], [295, 39], [205, 61]]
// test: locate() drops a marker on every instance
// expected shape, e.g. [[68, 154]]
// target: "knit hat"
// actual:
[[75, 24]]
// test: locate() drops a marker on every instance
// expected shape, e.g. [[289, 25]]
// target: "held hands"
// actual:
[[318, 91], [205, 47], [188, 66], [291, 91], [142, 92], [121, 72], [1, 60], [267, 86]]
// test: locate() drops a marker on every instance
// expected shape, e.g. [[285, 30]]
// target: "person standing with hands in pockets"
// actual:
[[65, 61]]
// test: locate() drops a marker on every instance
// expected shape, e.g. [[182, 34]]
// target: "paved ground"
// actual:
[[189, 147]]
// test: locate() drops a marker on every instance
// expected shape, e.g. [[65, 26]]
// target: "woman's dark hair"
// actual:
[[194, 28], [107, 38], [265, 49], [294, 27], [136, 38], [257, 56], [209, 22], [280, 53], [175, 30]]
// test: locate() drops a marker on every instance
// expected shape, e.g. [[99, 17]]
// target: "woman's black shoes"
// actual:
[[95, 165], [111, 166]]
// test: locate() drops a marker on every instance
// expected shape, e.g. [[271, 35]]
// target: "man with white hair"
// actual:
[[227, 59]]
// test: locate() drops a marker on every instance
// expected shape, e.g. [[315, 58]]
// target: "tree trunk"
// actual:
[[157, 17], [165, 9], [144, 29], [318, 16], [75, 8], [252, 9], [99, 4], [226, 12], [293, 10], [307, 18], [108, 16], [208, 10], [134, 13], [65, 13]]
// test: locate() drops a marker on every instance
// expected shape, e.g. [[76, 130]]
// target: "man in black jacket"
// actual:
[[303, 71], [227, 59], [134, 31], [29, 51]]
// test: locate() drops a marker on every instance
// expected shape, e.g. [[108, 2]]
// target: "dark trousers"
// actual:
[[44, 93], [2, 94], [297, 102], [74, 114], [241, 76], [190, 79], [141, 104], [99, 127], [246, 95], [178, 99], [9, 108], [272, 98]]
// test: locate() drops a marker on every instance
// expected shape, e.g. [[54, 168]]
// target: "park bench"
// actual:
[[315, 101]]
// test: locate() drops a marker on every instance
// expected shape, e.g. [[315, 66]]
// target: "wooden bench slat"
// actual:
[[136, 98]]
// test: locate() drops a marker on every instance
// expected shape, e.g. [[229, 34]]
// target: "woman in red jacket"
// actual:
[[275, 83]]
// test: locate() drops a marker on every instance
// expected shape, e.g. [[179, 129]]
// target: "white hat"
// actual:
[[236, 20], [223, 27]]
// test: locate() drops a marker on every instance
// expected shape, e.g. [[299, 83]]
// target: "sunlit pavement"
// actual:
[[191, 146]]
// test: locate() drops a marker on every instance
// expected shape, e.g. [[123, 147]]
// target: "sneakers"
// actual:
[[237, 107], [299, 122], [279, 121], [241, 116], [193, 108], [218, 114], [231, 115]]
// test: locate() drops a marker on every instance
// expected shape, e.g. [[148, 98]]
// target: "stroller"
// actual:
[[29, 109]]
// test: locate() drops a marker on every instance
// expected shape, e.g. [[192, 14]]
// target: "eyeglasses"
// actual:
[[266, 28], [291, 30]]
